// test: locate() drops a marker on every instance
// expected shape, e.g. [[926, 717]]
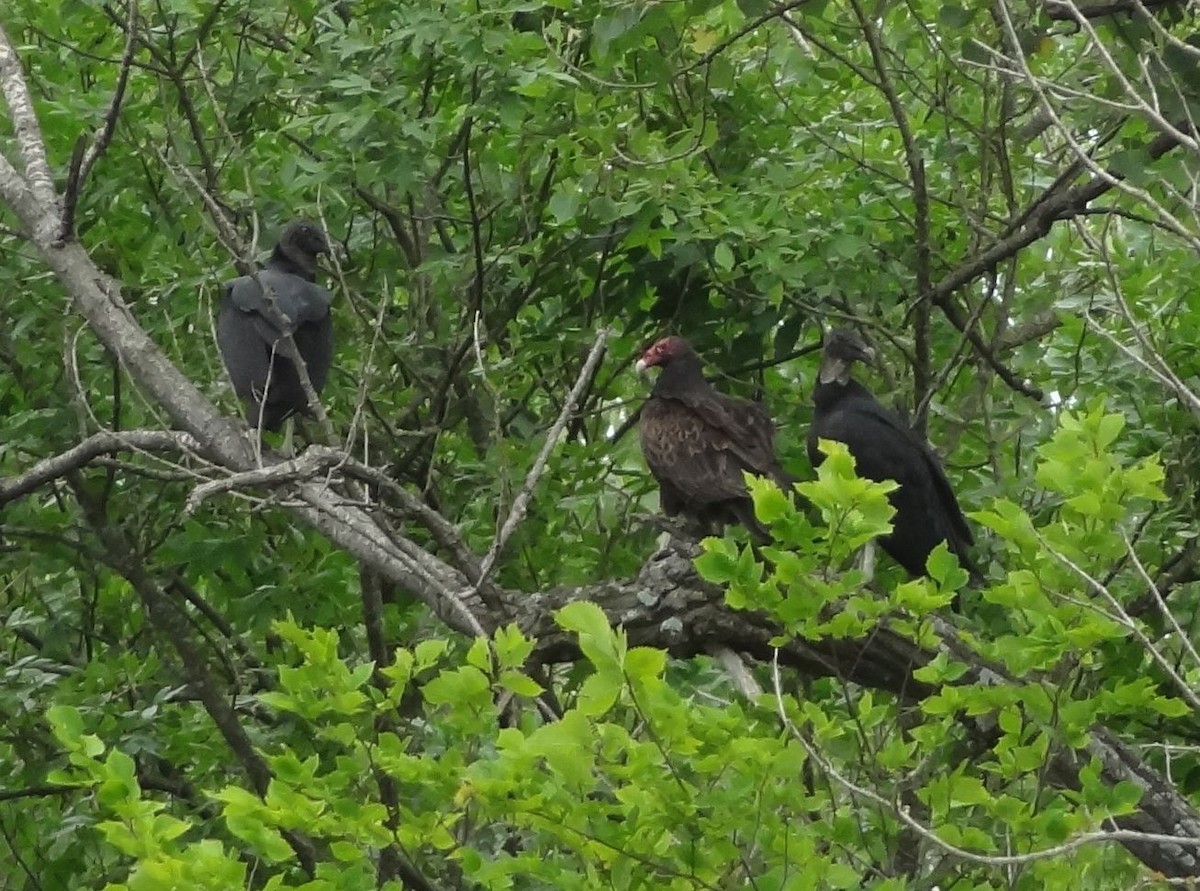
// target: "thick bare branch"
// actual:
[[1061, 11], [24, 120], [106, 443]]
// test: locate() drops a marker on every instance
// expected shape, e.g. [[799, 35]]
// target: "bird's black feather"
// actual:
[[885, 448], [257, 310]]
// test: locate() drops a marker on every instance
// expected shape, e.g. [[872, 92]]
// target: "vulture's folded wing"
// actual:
[[746, 429], [297, 299], [246, 356], [885, 447], [681, 448]]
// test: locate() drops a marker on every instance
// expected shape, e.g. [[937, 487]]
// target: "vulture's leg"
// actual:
[[866, 561], [739, 673], [703, 526], [666, 525], [744, 511], [287, 448]]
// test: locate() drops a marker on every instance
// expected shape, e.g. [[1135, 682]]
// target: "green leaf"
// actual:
[[770, 504], [954, 16], [564, 205], [67, 724], [718, 563], [599, 694], [944, 568], [428, 652], [519, 683], [511, 647], [723, 257], [120, 780], [480, 654], [467, 686], [645, 663], [583, 617]]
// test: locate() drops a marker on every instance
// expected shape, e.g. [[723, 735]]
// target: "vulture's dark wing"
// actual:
[[747, 428], [255, 372], [692, 460], [248, 340], [945, 494], [884, 448], [298, 299], [303, 303], [247, 357], [314, 340]]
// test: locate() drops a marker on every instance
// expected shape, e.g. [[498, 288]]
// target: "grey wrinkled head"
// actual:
[[843, 347], [303, 237]]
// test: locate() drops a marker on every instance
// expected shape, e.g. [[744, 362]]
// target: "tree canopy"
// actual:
[[445, 645]]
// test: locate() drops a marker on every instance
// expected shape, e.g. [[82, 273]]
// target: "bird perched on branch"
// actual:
[[697, 442], [885, 448], [257, 310]]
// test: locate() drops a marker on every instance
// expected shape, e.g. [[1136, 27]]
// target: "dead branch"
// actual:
[[106, 443], [521, 503]]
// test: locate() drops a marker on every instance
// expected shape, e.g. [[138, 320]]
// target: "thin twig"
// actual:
[[103, 136], [306, 466], [520, 504], [1182, 636], [1120, 615], [925, 832]]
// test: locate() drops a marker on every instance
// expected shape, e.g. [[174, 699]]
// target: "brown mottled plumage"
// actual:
[[697, 442]]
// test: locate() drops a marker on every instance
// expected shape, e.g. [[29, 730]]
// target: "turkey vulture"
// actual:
[[697, 442], [249, 336], [885, 448]]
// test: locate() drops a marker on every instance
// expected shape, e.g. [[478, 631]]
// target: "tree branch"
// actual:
[[25, 124], [98, 444], [665, 605], [82, 168], [1060, 11], [1057, 204], [915, 161], [172, 624], [521, 503]]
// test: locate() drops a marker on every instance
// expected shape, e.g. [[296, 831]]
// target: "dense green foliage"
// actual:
[[1001, 196]]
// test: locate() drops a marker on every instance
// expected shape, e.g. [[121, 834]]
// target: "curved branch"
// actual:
[[94, 446]]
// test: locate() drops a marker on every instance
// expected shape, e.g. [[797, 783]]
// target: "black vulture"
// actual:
[[697, 442], [249, 336], [885, 448]]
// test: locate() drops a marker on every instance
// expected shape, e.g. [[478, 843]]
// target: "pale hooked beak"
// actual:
[[641, 366]]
